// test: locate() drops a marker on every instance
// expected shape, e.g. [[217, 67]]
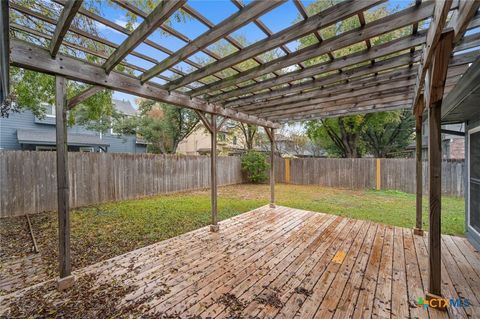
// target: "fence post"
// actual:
[[378, 176], [287, 170]]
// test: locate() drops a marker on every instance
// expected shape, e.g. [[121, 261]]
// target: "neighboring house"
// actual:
[[24, 131], [453, 146], [198, 142]]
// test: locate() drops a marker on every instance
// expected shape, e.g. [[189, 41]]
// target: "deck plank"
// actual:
[[311, 265]]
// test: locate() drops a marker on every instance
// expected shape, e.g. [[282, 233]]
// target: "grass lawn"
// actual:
[[103, 231]]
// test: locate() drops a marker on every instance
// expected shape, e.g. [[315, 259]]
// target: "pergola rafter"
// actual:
[[379, 77]]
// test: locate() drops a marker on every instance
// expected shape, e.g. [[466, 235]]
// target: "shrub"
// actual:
[[255, 165]]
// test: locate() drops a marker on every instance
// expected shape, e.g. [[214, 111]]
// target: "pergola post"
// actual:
[[66, 279], [434, 89], [271, 137], [418, 230], [5, 52], [213, 165], [211, 126]]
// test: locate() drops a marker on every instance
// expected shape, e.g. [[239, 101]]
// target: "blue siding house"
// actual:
[[24, 131]]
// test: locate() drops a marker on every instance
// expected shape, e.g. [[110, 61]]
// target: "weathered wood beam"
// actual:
[[82, 96], [219, 31], [352, 59], [437, 74], [62, 177], [351, 74], [373, 29], [353, 88], [4, 52], [323, 19], [206, 122], [462, 17], [435, 29], [367, 99], [32, 57], [159, 15], [69, 11], [418, 230], [374, 107]]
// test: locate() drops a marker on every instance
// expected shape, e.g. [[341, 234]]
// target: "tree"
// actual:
[[353, 136], [249, 133], [339, 136], [389, 133], [30, 89], [162, 125]]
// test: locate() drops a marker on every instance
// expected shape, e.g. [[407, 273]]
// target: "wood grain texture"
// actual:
[[288, 256]]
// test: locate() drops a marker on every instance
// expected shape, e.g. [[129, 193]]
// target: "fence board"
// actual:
[[28, 179]]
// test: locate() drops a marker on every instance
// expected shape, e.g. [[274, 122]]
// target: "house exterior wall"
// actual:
[[199, 142], [473, 236], [27, 120]]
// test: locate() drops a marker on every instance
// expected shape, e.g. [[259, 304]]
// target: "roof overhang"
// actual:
[[49, 138], [462, 104]]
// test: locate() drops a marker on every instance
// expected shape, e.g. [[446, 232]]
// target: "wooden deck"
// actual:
[[287, 263]]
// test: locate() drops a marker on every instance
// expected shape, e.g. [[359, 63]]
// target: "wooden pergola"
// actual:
[[411, 71]]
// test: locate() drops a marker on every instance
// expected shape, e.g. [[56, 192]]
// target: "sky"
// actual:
[[216, 11]]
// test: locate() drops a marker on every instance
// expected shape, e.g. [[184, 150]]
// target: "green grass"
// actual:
[[104, 231]]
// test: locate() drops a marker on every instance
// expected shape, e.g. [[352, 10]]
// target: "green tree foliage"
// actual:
[[255, 165], [162, 125], [383, 134], [379, 134], [31, 89]]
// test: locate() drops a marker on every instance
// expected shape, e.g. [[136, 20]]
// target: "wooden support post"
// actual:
[[4, 52], [435, 186], [271, 135], [436, 77], [378, 183], [418, 230], [213, 133], [66, 280]]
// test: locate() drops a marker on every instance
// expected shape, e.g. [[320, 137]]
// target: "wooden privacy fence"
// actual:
[[362, 173], [28, 179]]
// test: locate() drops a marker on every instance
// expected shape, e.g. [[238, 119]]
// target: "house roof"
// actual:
[[124, 107], [49, 138]]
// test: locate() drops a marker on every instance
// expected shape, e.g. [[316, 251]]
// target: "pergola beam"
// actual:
[[352, 59], [350, 75], [435, 29], [346, 107], [159, 15], [32, 57], [373, 29], [221, 30], [271, 136], [418, 230], [69, 11], [82, 96], [325, 18], [333, 92]]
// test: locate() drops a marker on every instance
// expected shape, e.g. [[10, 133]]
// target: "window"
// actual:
[[87, 149], [221, 137], [45, 148], [234, 142], [49, 109]]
